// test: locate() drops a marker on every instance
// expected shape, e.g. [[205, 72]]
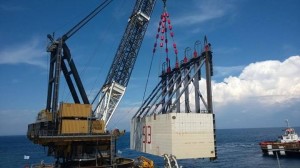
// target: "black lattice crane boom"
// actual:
[[124, 60]]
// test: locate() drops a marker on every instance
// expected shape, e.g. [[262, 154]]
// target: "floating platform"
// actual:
[[284, 149], [287, 144]]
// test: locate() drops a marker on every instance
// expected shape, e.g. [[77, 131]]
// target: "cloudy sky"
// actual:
[[256, 80]]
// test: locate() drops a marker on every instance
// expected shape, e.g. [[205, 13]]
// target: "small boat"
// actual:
[[287, 144]]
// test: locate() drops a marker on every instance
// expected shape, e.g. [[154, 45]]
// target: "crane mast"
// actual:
[[60, 57], [120, 71]]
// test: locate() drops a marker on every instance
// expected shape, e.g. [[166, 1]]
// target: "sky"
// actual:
[[256, 56]]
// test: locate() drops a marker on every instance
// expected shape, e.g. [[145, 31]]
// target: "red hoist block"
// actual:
[[195, 54], [169, 69], [174, 45], [177, 64], [185, 60], [166, 14], [172, 34], [206, 47], [176, 51]]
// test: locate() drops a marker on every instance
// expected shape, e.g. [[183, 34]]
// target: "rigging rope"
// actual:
[[148, 77], [162, 34], [90, 58]]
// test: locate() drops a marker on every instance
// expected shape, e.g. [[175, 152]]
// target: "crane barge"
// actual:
[[75, 133]]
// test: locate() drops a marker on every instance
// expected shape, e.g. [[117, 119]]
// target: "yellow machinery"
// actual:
[[144, 162], [79, 139], [72, 119], [75, 118]]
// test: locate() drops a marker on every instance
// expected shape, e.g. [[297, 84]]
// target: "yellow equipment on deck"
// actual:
[[145, 162]]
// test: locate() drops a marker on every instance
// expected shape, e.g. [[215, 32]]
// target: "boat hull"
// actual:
[[270, 148]]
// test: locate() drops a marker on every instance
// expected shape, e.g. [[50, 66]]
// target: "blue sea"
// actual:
[[236, 148]]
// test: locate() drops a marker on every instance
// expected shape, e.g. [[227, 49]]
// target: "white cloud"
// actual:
[[203, 11], [196, 13], [264, 94], [270, 81], [28, 52]]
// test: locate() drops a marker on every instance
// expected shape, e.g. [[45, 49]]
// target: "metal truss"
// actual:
[[120, 71], [175, 84], [109, 101]]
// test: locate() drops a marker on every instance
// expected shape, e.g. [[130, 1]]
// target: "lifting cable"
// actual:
[[72, 31], [106, 60], [162, 34], [82, 73], [149, 72]]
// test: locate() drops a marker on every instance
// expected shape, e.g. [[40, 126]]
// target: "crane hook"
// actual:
[[164, 1]]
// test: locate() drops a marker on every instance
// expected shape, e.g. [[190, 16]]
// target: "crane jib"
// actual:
[[124, 60]]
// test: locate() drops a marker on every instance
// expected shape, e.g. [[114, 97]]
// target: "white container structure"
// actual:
[[161, 126], [185, 135]]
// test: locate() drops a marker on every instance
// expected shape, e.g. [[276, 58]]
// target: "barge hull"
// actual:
[[282, 149]]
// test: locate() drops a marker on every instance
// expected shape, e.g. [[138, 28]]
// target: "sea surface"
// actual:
[[236, 148]]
